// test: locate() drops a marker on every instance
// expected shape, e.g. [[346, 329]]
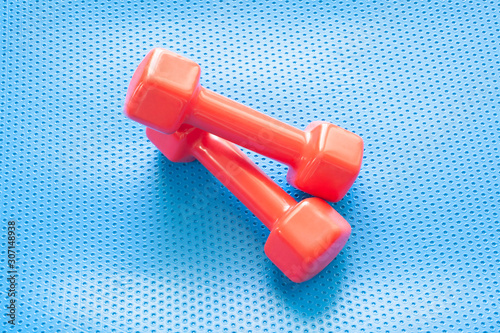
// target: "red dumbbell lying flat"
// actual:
[[165, 92], [305, 236]]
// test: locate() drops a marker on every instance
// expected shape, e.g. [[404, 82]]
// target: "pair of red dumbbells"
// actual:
[[186, 122]]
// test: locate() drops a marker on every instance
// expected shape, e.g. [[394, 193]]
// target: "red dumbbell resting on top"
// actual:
[[165, 92], [305, 236]]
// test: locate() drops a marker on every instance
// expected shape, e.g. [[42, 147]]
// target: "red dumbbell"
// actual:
[[305, 236], [165, 92]]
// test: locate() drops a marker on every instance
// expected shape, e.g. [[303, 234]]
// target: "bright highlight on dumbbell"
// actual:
[[305, 236], [165, 93]]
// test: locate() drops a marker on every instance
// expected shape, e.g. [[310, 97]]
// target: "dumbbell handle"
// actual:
[[246, 127], [259, 193]]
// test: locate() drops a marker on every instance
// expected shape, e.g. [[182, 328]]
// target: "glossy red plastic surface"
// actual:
[[304, 236], [164, 93]]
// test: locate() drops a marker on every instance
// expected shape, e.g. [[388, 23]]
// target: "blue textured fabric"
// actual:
[[112, 237]]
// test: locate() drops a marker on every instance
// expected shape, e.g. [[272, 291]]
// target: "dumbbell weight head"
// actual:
[[177, 147], [306, 239], [160, 90], [331, 156]]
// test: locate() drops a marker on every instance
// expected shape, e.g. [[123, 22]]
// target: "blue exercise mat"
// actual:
[[107, 235]]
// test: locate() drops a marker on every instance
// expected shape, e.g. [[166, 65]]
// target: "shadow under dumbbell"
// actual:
[[317, 296], [207, 231]]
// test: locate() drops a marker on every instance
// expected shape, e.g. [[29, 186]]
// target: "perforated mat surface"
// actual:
[[112, 237]]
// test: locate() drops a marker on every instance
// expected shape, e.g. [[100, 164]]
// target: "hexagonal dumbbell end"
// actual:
[[161, 89], [306, 239], [177, 147], [330, 161]]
